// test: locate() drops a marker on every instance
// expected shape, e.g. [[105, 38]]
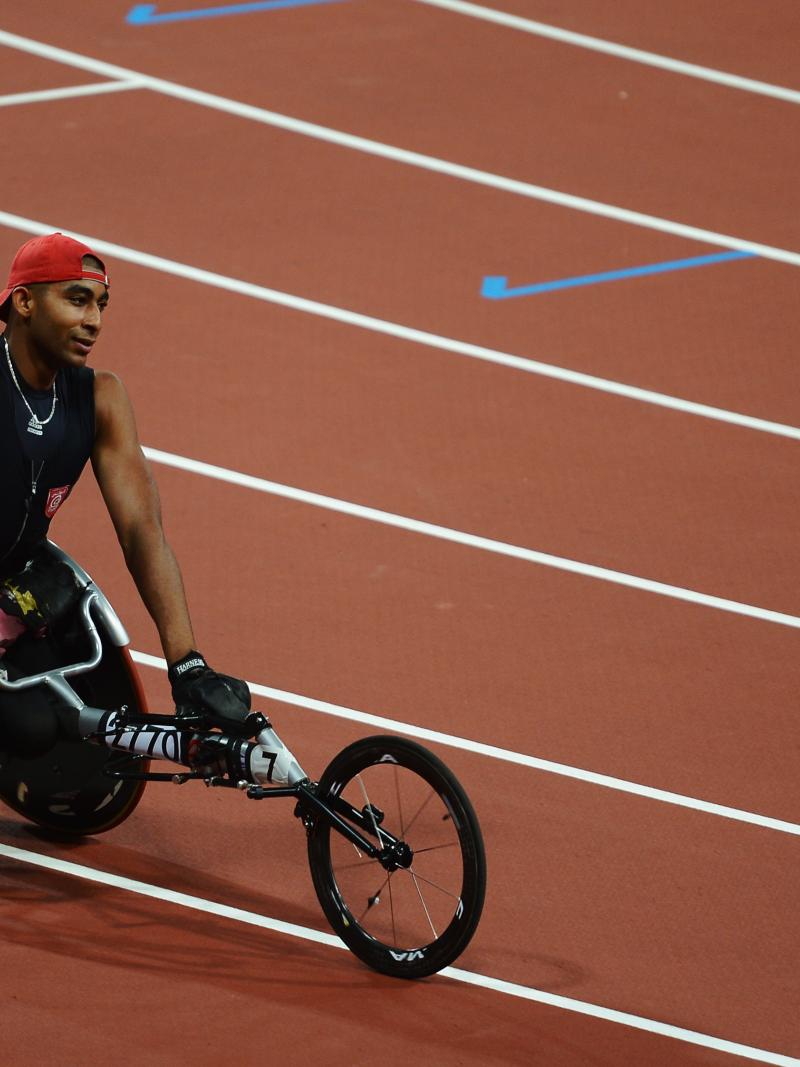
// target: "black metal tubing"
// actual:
[[343, 808], [344, 828], [148, 776], [307, 796], [154, 776], [133, 719], [259, 792]]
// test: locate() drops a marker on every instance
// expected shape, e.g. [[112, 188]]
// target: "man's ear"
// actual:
[[22, 301]]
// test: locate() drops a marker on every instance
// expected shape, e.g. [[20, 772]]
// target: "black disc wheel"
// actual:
[[69, 789], [411, 910]]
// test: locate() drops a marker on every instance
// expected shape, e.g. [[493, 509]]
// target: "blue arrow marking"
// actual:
[[144, 14], [495, 288]]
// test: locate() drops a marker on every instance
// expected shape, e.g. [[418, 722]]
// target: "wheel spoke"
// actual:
[[434, 885], [399, 803], [422, 902], [359, 866], [421, 808], [369, 809], [434, 848], [391, 909]]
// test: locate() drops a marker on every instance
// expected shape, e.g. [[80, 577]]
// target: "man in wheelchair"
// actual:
[[55, 414]]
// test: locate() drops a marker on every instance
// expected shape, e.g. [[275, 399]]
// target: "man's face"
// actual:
[[66, 319]]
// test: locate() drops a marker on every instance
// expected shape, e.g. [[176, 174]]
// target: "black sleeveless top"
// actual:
[[38, 470]]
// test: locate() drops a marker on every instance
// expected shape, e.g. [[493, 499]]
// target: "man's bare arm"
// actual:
[[131, 496]]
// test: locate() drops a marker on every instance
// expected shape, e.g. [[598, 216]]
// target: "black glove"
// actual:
[[217, 699]]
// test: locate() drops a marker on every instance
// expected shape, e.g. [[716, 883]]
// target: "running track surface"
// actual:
[[669, 914]]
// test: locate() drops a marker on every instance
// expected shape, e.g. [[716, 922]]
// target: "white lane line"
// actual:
[[497, 985], [407, 333], [595, 1011], [70, 91], [397, 155], [620, 51], [444, 533], [507, 755]]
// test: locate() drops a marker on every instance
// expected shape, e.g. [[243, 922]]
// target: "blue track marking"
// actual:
[[144, 14], [495, 286]]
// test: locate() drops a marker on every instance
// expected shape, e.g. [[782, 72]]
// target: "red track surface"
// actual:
[[621, 901]]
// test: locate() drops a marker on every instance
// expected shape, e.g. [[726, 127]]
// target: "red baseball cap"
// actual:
[[54, 258]]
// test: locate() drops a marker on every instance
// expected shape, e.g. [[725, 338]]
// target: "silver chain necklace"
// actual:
[[35, 424]]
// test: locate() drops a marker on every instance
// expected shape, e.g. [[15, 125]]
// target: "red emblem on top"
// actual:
[[55, 498]]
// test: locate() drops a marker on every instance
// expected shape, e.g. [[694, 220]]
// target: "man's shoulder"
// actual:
[[111, 400], [109, 388], [106, 379]]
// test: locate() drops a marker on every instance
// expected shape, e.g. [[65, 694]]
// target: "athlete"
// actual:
[[55, 414]]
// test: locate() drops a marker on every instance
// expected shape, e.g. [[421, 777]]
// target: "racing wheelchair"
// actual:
[[394, 846]]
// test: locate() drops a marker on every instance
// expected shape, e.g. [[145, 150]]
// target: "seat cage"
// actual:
[[93, 603]]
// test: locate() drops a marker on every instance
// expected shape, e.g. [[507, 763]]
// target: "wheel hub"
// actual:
[[396, 856]]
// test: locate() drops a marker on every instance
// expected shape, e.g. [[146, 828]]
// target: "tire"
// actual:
[[412, 921]]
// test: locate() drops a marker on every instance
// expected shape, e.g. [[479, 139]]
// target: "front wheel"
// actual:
[[413, 913]]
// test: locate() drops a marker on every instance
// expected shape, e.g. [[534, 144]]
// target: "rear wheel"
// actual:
[[412, 911], [70, 789]]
